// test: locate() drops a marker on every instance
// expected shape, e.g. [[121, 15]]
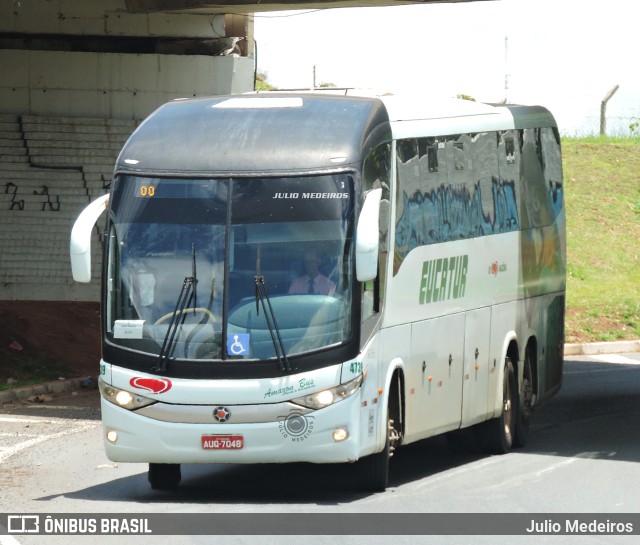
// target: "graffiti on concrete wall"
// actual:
[[49, 202]]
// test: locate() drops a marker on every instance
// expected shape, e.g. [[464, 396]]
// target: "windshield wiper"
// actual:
[[262, 296], [186, 296]]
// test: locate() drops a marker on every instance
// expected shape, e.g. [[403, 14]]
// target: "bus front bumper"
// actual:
[[328, 435]]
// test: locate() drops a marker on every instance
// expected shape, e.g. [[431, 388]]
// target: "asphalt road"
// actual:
[[583, 457]]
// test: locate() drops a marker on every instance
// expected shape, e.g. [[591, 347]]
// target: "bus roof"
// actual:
[[256, 134], [278, 133], [416, 115], [441, 112]]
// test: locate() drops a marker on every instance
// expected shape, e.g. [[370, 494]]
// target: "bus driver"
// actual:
[[313, 281]]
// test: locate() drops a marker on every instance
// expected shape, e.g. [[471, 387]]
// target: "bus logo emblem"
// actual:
[[443, 279], [154, 385], [495, 268], [221, 414]]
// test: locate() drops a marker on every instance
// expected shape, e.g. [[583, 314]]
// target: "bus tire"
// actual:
[[497, 435], [373, 470], [525, 406], [164, 476]]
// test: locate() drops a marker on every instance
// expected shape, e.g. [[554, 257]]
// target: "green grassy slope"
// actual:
[[602, 192]]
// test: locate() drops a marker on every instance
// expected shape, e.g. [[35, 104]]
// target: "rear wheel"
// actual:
[[164, 476], [497, 435], [525, 406]]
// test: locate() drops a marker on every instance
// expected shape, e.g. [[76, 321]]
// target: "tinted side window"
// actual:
[[449, 188], [541, 176]]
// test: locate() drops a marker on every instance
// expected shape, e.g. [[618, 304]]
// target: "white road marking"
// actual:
[[30, 420], [550, 468], [5, 454]]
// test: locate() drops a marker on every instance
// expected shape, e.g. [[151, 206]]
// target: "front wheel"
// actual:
[[164, 476], [373, 470]]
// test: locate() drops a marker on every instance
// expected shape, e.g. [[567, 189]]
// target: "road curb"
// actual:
[[54, 387], [591, 349]]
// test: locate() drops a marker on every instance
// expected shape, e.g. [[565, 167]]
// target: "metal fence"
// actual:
[[615, 126]]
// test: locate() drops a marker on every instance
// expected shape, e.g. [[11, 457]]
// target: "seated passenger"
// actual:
[[313, 281]]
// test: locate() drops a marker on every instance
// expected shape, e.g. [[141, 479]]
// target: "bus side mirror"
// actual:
[[368, 237], [80, 246]]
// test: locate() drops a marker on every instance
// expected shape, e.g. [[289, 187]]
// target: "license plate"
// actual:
[[222, 442]]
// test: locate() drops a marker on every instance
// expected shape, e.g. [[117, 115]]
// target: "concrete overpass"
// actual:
[[250, 6], [122, 58], [97, 58]]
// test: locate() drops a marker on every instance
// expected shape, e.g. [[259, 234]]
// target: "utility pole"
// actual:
[[506, 68]]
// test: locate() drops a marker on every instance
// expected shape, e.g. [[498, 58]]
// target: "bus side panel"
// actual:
[[541, 319], [547, 327], [434, 376], [452, 315], [543, 284], [478, 370], [554, 346]]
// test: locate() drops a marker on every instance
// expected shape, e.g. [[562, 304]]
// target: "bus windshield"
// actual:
[[185, 257]]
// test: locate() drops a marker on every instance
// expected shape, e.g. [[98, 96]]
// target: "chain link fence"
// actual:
[[615, 126]]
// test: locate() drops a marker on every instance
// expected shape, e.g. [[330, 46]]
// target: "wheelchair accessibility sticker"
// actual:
[[238, 344]]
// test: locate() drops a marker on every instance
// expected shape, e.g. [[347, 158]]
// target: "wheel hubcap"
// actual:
[[394, 438], [507, 406]]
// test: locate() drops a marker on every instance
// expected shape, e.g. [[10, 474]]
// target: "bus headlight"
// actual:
[[123, 398], [329, 396]]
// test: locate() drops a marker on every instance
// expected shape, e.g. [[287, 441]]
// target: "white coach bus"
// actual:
[[323, 278]]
